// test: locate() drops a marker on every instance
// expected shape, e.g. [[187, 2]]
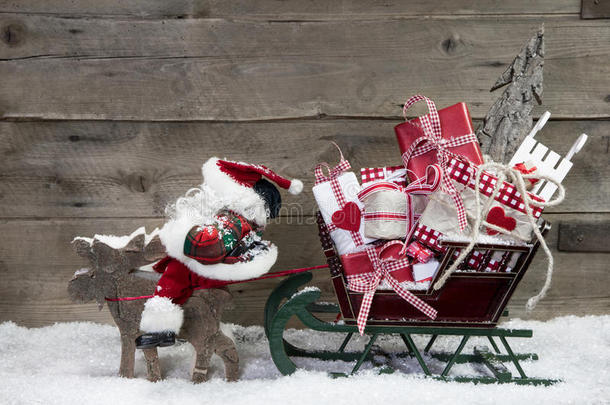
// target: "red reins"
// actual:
[[221, 283]]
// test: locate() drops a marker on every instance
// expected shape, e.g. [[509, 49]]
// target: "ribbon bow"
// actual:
[[525, 170], [333, 179], [367, 283], [423, 186], [433, 140], [333, 173]]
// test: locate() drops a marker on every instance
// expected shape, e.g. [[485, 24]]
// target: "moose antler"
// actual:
[[113, 253], [114, 256]]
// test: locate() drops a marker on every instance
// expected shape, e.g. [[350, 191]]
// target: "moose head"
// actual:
[[111, 258]]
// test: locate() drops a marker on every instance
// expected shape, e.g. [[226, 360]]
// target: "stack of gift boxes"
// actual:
[[405, 212]]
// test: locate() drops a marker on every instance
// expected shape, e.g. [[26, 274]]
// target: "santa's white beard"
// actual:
[[200, 205], [197, 204]]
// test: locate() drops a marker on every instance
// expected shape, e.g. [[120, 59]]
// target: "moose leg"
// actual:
[[202, 363], [153, 369], [225, 348], [128, 355]]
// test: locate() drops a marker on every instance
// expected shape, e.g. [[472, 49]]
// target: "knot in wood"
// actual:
[[13, 33], [451, 44]]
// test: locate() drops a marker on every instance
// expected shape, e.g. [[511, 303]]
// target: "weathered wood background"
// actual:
[[108, 109]]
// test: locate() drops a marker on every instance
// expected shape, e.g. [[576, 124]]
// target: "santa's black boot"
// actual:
[[156, 339]]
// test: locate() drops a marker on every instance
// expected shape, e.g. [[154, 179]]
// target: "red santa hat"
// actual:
[[234, 183], [248, 174]]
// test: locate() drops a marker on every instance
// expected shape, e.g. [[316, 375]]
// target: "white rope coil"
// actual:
[[504, 172]]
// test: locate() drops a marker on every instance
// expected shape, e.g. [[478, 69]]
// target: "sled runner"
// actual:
[[468, 305]]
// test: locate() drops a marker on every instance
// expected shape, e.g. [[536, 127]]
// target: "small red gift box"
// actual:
[[355, 264], [455, 122]]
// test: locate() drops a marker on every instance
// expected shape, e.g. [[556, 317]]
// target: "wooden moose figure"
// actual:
[[114, 272]]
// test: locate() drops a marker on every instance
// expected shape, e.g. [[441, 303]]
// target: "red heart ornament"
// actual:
[[498, 217], [347, 218]]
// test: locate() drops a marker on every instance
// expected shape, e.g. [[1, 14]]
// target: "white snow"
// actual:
[[483, 238], [305, 290], [83, 270], [77, 363], [117, 242]]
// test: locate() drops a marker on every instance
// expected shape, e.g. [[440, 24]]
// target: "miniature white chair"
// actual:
[[549, 164]]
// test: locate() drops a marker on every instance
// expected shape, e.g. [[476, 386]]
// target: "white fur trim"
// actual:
[[258, 266], [296, 186], [173, 235], [161, 314], [240, 199]]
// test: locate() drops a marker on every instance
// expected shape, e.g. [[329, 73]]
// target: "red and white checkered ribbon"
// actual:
[[429, 237], [493, 266], [332, 173], [476, 259], [395, 174], [432, 140], [367, 283], [422, 186], [463, 173], [333, 178]]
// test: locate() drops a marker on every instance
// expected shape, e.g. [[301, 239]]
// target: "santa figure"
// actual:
[[213, 235]]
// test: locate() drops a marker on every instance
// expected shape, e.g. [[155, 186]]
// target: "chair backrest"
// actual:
[[548, 162]]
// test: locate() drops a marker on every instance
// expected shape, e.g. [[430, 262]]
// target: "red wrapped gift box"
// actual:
[[358, 263], [455, 122]]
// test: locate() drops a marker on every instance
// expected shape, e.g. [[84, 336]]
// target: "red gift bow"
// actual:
[[423, 186], [333, 175], [523, 169], [433, 140], [367, 283]]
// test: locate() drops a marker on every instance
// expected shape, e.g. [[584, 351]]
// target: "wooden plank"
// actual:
[[592, 9], [128, 169], [249, 70], [290, 9], [584, 237], [36, 263]]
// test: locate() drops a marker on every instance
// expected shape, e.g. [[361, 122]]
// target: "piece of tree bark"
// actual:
[[509, 119]]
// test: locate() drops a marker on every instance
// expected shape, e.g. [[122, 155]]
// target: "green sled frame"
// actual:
[[286, 301]]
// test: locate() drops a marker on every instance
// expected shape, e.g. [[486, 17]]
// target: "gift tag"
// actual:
[[425, 271], [498, 217], [348, 217]]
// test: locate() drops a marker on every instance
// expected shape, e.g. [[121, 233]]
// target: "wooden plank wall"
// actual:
[[108, 109]]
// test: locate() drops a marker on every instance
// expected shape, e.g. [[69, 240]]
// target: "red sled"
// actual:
[[469, 305], [468, 298]]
